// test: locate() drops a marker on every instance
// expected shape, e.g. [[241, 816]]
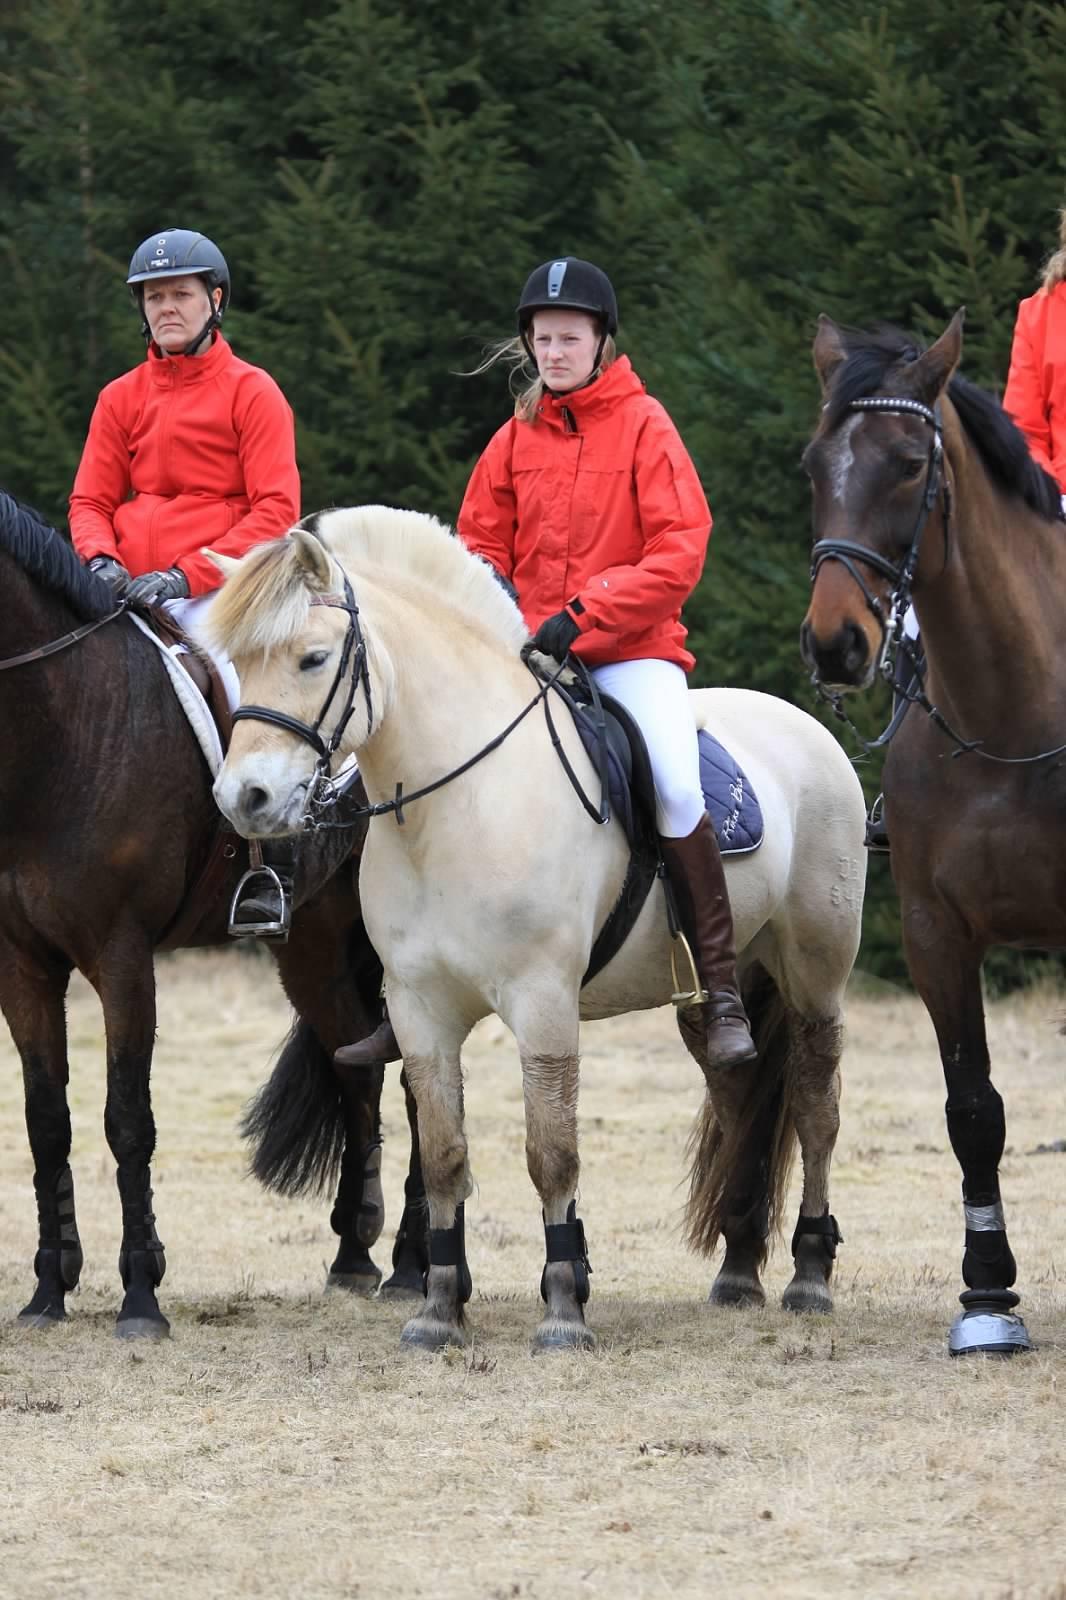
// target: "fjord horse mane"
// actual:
[[875, 356], [50, 561], [265, 603]]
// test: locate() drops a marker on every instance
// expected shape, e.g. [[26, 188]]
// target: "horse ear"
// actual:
[[932, 372], [227, 565], [313, 560], [829, 350]]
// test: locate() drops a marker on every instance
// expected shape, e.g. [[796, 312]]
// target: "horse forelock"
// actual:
[[264, 604], [876, 362], [419, 555]]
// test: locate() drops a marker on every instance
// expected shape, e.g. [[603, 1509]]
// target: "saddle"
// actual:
[[616, 748]]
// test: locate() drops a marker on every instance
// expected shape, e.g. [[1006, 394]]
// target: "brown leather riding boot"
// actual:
[[697, 877], [377, 1047]]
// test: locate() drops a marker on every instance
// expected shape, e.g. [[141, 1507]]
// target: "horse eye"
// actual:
[[313, 659]]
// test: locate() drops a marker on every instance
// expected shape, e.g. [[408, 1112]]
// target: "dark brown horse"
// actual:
[[923, 486], [106, 812]]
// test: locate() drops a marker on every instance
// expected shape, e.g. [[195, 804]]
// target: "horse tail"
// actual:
[[295, 1122], [745, 1164]]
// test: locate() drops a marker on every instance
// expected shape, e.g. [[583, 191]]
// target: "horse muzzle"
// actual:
[[257, 807], [842, 659]]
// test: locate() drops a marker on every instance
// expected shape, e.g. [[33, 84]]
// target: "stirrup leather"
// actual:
[[696, 995], [265, 879]]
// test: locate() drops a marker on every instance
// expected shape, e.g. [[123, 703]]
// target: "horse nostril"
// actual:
[[254, 799], [805, 644], [856, 646]]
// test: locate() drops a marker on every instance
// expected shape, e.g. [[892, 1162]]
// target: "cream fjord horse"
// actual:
[[375, 632]]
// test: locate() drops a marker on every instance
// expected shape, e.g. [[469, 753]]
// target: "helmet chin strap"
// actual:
[[213, 321]]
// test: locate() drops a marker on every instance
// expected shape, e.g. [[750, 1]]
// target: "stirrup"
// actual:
[[683, 998], [276, 928], [876, 837]]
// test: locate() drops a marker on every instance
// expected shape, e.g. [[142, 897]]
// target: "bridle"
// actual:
[[324, 794], [353, 665], [901, 576], [899, 573]]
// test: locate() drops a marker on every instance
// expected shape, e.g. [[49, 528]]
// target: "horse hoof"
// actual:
[[989, 1333], [808, 1297], [143, 1328], [363, 1284], [740, 1293], [552, 1336], [430, 1335]]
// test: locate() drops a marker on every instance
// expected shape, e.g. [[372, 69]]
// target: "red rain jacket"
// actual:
[[595, 506], [1035, 394], [185, 452]]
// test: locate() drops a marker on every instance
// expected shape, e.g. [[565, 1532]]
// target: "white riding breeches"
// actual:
[[655, 693]]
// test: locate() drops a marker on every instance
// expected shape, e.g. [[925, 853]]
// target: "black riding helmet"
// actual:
[[568, 284], [180, 253]]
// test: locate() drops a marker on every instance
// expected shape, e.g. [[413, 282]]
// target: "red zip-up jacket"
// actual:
[[186, 452], [595, 506], [1035, 395]]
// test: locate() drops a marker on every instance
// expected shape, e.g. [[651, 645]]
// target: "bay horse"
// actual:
[[923, 487], [107, 809], [486, 896]]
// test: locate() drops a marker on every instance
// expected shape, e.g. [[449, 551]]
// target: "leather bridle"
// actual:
[[353, 666]]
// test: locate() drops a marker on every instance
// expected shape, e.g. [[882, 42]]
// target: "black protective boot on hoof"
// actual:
[[379, 1046], [261, 907], [697, 879]]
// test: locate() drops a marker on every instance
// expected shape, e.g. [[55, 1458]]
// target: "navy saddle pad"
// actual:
[[731, 801]]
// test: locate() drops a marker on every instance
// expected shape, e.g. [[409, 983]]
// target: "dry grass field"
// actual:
[[280, 1444]]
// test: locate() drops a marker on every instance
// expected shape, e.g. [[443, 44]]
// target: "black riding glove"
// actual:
[[555, 636], [152, 588], [112, 572]]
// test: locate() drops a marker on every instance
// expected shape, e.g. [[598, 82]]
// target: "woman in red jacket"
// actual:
[[1035, 394], [588, 504], [193, 448]]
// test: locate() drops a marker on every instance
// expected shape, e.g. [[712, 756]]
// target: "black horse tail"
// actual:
[[295, 1122], [746, 1165]]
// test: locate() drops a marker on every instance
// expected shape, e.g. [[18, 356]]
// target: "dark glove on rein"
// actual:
[[152, 588], [555, 636], [112, 572]]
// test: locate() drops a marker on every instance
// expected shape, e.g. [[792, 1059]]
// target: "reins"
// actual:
[[60, 644], [901, 576], [324, 792]]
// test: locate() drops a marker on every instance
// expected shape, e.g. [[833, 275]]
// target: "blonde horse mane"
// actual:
[[266, 599]]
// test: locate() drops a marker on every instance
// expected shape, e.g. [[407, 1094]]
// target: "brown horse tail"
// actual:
[[746, 1166], [295, 1122]]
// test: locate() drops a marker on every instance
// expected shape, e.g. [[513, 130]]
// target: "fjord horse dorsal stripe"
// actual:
[[491, 896], [988, 591]]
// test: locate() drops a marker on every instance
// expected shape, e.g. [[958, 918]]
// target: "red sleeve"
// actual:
[[675, 522], [487, 520], [266, 448], [1023, 397], [101, 484]]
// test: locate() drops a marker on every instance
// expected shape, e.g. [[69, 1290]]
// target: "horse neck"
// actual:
[[990, 619], [441, 689]]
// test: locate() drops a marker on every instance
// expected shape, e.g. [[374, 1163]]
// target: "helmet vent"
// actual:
[[556, 274]]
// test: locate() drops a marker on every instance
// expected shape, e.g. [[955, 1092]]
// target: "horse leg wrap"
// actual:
[[565, 1241], [353, 1212], [988, 1263], [825, 1227], [141, 1245], [57, 1229], [447, 1248]]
